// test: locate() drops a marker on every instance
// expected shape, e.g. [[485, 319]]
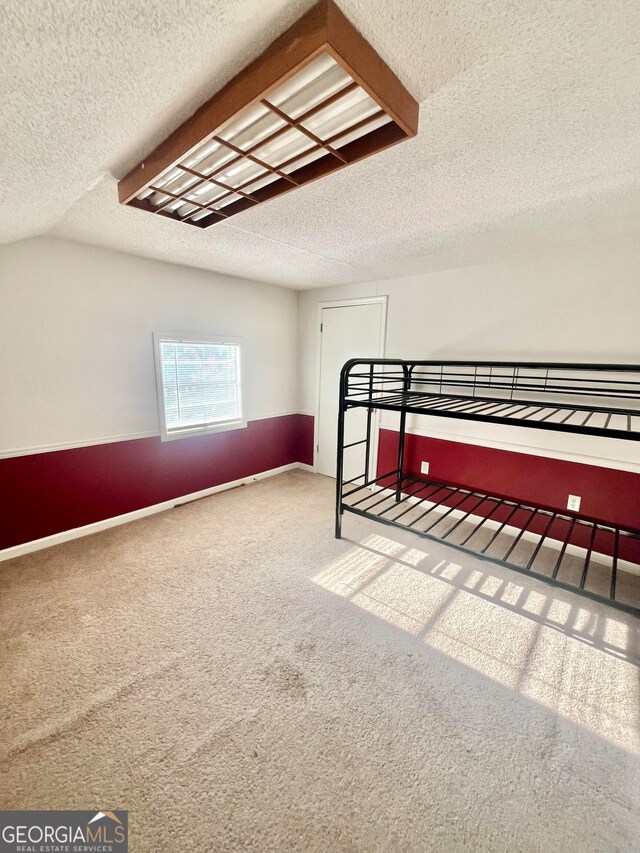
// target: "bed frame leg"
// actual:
[[340, 459], [401, 434]]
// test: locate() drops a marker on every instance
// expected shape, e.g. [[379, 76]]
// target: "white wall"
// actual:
[[77, 358], [577, 304], [76, 352]]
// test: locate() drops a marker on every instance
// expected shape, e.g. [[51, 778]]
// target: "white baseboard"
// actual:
[[96, 527], [528, 536]]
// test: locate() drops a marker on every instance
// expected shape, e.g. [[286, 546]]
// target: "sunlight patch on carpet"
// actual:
[[574, 658]]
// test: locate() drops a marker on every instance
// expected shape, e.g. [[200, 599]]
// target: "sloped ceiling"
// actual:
[[529, 132]]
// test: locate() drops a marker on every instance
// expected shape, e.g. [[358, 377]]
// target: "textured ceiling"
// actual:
[[529, 133]]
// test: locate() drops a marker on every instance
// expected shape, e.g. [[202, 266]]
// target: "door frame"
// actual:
[[383, 301]]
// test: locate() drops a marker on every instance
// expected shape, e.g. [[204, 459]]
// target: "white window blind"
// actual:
[[200, 383]]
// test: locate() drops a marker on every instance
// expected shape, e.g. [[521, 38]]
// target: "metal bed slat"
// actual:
[[497, 411], [413, 506], [532, 559], [382, 500], [534, 412], [482, 500], [499, 530], [520, 535], [614, 565], [566, 541], [499, 503], [570, 415], [585, 569], [451, 489], [368, 482], [424, 398], [415, 399], [448, 512]]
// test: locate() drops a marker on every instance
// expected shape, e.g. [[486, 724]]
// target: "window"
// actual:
[[199, 384]]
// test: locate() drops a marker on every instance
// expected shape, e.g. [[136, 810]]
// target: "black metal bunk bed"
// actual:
[[563, 548]]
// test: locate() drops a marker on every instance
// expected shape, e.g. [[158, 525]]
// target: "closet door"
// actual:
[[349, 331]]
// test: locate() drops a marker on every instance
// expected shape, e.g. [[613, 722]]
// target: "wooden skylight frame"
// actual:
[[195, 175]]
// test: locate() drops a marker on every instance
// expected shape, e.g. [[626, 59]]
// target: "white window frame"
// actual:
[[203, 429]]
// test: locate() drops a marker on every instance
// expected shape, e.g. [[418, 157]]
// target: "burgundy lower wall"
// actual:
[[46, 493], [608, 495], [304, 439]]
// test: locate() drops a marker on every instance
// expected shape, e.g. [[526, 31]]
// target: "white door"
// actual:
[[348, 331]]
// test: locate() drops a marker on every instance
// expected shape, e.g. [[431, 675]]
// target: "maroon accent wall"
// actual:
[[46, 493], [608, 495], [304, 438]]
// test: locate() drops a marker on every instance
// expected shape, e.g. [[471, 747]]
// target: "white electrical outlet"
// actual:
[[573, 503], [424, 468]]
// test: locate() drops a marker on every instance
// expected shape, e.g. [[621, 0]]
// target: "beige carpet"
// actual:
[[239, 680]]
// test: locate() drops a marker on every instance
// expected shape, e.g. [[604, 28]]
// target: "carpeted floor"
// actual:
[[239, 680]]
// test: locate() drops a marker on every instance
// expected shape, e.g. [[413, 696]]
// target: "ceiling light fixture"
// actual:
[[318, 99]]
